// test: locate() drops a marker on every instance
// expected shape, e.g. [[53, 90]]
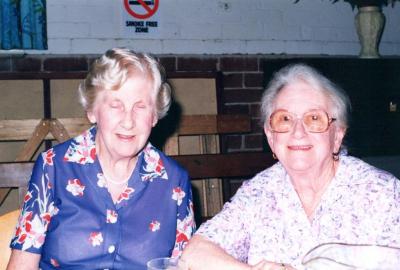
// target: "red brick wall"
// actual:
[[242, 80]]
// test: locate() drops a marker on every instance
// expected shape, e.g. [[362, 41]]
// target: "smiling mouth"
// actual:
[[300, 147], [125, 137]]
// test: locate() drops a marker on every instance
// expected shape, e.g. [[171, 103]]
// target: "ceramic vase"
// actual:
[[369, 24]]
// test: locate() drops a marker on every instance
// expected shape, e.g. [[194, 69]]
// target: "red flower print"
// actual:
[[112, 216], [46, 217], [48, 157], [24, 227], [75, 187], [93, 153], [181, 237], [153, 166], [82, 150], [178, 194], [54, 262], [159, 167], [180, 243], [125, 195], [154, 226], [96, 238], [28, 196], [31, 229], [21, 238]]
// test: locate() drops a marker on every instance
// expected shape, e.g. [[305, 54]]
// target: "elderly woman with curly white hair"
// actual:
[[315, 194], [108, 199]]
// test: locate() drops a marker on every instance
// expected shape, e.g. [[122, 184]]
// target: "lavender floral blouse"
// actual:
[[70, 219], [265, 219]]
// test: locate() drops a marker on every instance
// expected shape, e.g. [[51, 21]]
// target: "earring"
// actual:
[[274, 156], [335, 156]]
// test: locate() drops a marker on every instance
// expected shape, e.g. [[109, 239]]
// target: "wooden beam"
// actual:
[[14, 130], [234, 123], [73, 126], [16, 174], [42, 75], [213, 124], [58, 131], [225, 165], [30, 147]]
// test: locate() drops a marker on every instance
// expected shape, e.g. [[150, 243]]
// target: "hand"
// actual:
[[266, 265]]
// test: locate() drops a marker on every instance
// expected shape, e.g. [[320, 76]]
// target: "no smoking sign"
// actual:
[[140, 16], [141, 9]]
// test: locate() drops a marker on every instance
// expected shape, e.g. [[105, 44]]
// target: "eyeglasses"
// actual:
[[315, 121]]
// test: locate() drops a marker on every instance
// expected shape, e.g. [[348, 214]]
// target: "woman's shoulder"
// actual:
[[171, 166], [270, 179], [80, 149], [360, 172], [355, 166]]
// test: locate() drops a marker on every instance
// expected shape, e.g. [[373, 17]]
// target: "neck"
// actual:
[[311, 187], [117, 171], [113, 181], [314, 180], [115, 168]]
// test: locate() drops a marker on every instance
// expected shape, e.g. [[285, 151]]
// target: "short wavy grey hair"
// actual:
[[339, 100], [114, 68]]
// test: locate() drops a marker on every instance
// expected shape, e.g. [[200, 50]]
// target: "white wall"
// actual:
[[215, 27]]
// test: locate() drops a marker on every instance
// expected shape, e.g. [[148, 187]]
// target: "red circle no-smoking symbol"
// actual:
[[141, 9]]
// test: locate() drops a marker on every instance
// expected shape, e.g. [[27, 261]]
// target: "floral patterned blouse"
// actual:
[[70, 218], [266, 220]]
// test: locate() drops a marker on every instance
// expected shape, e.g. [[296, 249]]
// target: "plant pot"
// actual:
[[369, 24]]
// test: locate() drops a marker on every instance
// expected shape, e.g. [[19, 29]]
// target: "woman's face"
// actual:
[[124, 118], [299, 150]]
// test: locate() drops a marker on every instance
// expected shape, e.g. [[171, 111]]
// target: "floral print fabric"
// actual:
[[70, 219], [23, 24], [266, 220]]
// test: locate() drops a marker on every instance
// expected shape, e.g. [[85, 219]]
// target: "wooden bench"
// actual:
[[199, 166], [209, 164]]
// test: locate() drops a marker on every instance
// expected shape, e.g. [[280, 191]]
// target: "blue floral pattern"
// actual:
[[70, 219]]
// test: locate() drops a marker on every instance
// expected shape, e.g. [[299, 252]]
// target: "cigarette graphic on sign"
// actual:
[[138, 3]]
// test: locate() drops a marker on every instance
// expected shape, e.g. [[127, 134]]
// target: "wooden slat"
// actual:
[[14, 130], [74, 126], [171, 146], [225, 165], [233, 123], [213, 124], [185, 74], [16, 174], [42, 75], [190, 125], [38, 75], [58, 131], [30, 147]]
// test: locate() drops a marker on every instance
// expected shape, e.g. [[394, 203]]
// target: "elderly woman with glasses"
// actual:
[[315, 194]]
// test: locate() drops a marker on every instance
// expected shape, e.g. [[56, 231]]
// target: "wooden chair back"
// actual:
[[16, 174]]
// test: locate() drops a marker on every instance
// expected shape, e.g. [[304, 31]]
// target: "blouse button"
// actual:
[[111, 249]]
